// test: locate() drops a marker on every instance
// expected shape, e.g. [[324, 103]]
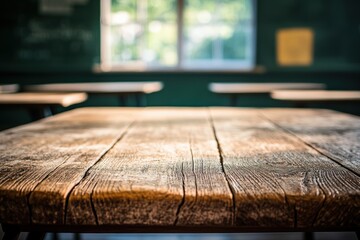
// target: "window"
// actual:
[[177, 34]]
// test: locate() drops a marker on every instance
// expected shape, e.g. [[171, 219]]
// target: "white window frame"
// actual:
[[196, 65]]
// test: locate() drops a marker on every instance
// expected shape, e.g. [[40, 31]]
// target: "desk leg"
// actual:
[[10, 233], [358, 235], [55, 236], [36, 236], [39, 113], [308, 236], [122, 100], [77, 236], [140, 100], [233, 100], [36, 114], [48, 111], [300, 105]]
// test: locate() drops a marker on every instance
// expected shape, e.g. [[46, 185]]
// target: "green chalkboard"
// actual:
[[48, 35], [59, 35], [336, 24]]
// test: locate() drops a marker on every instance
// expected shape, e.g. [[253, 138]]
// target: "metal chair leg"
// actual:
[[11, 235], [122, 100], [309, 236], [36, 236], [233, 100], [140, 100], [55, 236], [77, 236]]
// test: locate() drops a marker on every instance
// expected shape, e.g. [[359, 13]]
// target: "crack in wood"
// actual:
[[333, 159], [288, 203], [317, 150], [181, 204], [229, 180], [322, 204], [101, 156], [220, 152], [28, 196], [193, 170], [93, 206]]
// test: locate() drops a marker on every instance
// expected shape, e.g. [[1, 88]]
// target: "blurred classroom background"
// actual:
[[186, 45]]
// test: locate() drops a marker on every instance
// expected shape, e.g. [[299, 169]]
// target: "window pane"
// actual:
[[215, 33], [144, 32], [218, 33], [235, 47]]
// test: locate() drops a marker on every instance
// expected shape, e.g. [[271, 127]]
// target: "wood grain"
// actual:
[[278, 180], [183, 167], [165, 171], [334, 134], [41, 162]]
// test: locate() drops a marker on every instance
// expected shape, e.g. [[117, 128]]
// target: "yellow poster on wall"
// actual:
[[294, 46]]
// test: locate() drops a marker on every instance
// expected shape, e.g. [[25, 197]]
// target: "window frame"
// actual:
[[138, 66]]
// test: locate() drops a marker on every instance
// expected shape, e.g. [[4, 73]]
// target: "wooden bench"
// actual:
[[303, 97], [181, 170], [40, 105], [234, 90], [123, 90]]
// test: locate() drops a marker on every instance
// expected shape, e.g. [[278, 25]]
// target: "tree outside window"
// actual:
[[178, 34]]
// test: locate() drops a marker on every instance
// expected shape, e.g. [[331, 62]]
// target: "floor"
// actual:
[[242, 236]]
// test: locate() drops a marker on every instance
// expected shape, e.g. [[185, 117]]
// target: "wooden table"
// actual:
[[303, 97], [40, 105], [234, 90], [121, 89], [182, 170], [9, 88]]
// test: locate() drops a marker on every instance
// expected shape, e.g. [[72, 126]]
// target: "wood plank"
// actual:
[[277, 180], [165, 171], [315, 95], [93, 166], [61, 99], [98, 87], [248, 88], [58, 148], [334, 134]]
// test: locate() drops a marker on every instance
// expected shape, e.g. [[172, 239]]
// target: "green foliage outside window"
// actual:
[[213, 30]]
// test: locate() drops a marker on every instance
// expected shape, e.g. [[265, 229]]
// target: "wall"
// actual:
[[336, 24], [337, 60]]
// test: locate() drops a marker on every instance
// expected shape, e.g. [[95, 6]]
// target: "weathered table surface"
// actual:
[[185, 169], [315, 95]]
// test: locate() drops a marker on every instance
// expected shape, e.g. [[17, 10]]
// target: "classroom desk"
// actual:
[[303, 97], [9, 88], [40, 105], [234, 90], [121, 89], [181, 170]]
